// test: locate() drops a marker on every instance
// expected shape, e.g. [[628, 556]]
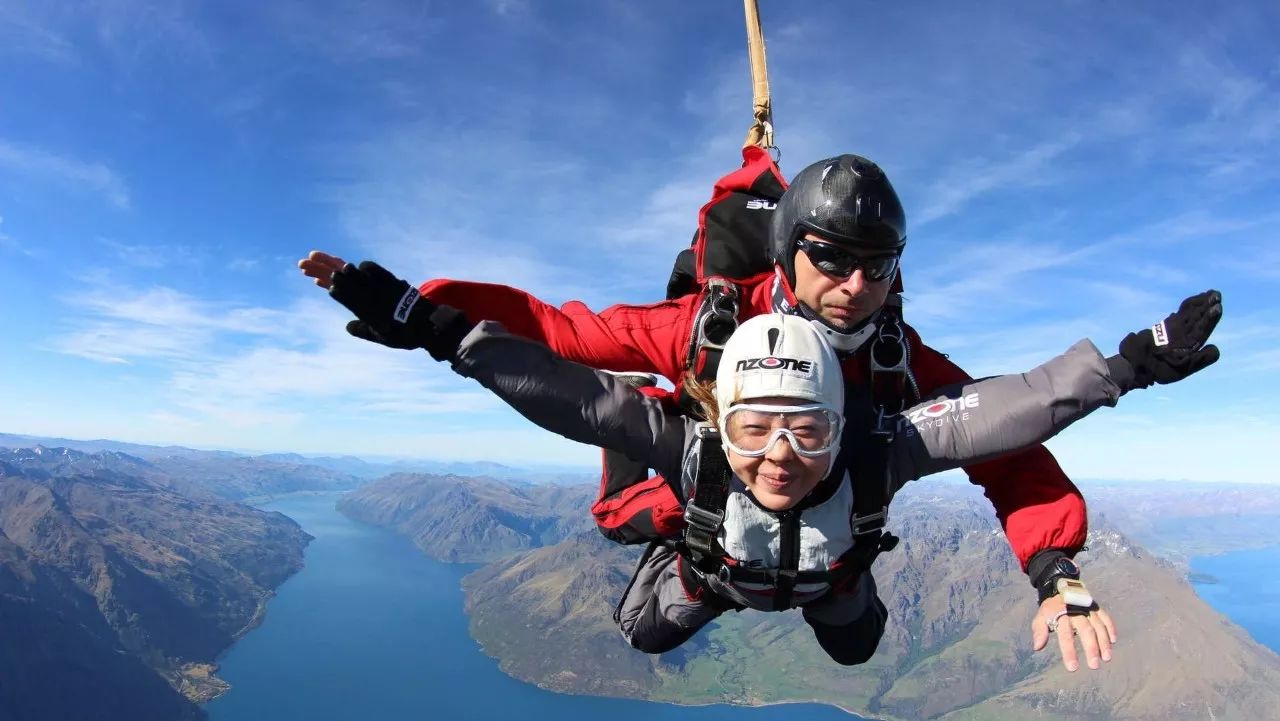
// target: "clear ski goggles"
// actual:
[[751, 429], [837, 261]]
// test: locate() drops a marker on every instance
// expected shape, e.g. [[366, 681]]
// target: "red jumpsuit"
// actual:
[[1038, 506]]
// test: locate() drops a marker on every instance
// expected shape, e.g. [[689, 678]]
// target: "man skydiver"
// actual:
[[836, 238]]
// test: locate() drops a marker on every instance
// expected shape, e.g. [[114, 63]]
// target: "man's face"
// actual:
[[844, 303]]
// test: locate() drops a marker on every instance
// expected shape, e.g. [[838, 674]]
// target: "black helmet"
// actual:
[[846, 200]]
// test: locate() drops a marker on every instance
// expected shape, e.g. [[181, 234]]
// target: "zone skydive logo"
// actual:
[[405, 306], [1160, 333], [947, 410], [774, 363]]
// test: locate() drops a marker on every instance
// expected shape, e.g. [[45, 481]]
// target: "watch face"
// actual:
[[1067, 567]]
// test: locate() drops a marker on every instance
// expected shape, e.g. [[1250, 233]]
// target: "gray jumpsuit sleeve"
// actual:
[[573, 400], [980, 420]]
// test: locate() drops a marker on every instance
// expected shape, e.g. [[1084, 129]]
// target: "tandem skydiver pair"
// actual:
[[835, 241]]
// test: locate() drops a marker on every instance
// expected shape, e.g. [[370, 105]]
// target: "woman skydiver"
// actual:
[[778, 405]]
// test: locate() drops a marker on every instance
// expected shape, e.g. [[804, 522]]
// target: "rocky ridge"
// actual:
[[119, 584], [470, 520], [957, 647]]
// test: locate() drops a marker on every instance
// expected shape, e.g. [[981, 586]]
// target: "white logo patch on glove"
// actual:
[[405, 306], [1161, 334]]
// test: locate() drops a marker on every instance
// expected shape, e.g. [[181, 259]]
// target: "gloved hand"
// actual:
[[1172, 349], [391, 312]]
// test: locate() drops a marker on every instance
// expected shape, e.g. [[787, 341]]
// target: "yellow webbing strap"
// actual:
[[761, 131]]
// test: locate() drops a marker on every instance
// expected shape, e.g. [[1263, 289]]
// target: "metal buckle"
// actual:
[[892, 335], [884, 430], [702, 519], [722, 311], [890, 339], [859, 524], [725, 574]]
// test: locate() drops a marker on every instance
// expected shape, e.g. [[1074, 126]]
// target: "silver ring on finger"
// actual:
[[1053, 622]]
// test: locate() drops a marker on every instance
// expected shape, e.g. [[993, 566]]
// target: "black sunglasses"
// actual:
[[836, 261]]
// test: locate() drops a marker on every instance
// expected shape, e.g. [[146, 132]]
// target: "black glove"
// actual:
[[1170, 350], [391, 312]]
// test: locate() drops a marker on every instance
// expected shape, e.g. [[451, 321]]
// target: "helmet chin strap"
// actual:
[[842, 340]]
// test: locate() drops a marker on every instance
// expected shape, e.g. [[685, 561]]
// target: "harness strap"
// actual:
[[704, 513], [788, 559], [893, 385], [872, 491], [851, 563], [716, 320]]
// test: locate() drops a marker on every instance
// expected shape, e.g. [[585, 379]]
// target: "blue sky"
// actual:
[[1069, 169]]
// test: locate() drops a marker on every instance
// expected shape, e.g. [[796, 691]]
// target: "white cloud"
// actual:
[[9, 242], [586, 183], [22, 32], [973, 177], [509, 9], [170, 308], [505, 211], [30, 162], [129, 32], [979, 281], [151, 256], [1261, 260], [353, 31], [361, 378], [112, 342], [246, 366]]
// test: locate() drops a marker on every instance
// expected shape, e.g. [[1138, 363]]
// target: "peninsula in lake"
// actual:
[[957, 647], [123, 576]]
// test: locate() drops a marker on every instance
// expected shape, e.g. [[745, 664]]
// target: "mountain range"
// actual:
[[120, 585], [123, 575], [257, 477], [958, 645], [459, 519], [1179, 520]]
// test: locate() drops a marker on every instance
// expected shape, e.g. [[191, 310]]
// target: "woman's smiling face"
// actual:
[[780, 478]]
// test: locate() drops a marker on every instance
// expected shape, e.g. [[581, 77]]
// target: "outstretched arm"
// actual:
[[571, 399], [1167, 352], [1039, 508], [985, 419], [620, 338], [564, 397]]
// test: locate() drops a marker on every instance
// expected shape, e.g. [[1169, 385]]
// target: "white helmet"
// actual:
[[780, 356]]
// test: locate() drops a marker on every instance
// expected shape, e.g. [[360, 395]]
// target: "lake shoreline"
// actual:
[[427, 631]]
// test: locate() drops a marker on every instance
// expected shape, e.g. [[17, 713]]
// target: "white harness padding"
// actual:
[[752, 536]]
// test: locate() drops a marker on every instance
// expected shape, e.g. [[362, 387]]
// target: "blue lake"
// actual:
[[1247, 590], [372, 629]]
